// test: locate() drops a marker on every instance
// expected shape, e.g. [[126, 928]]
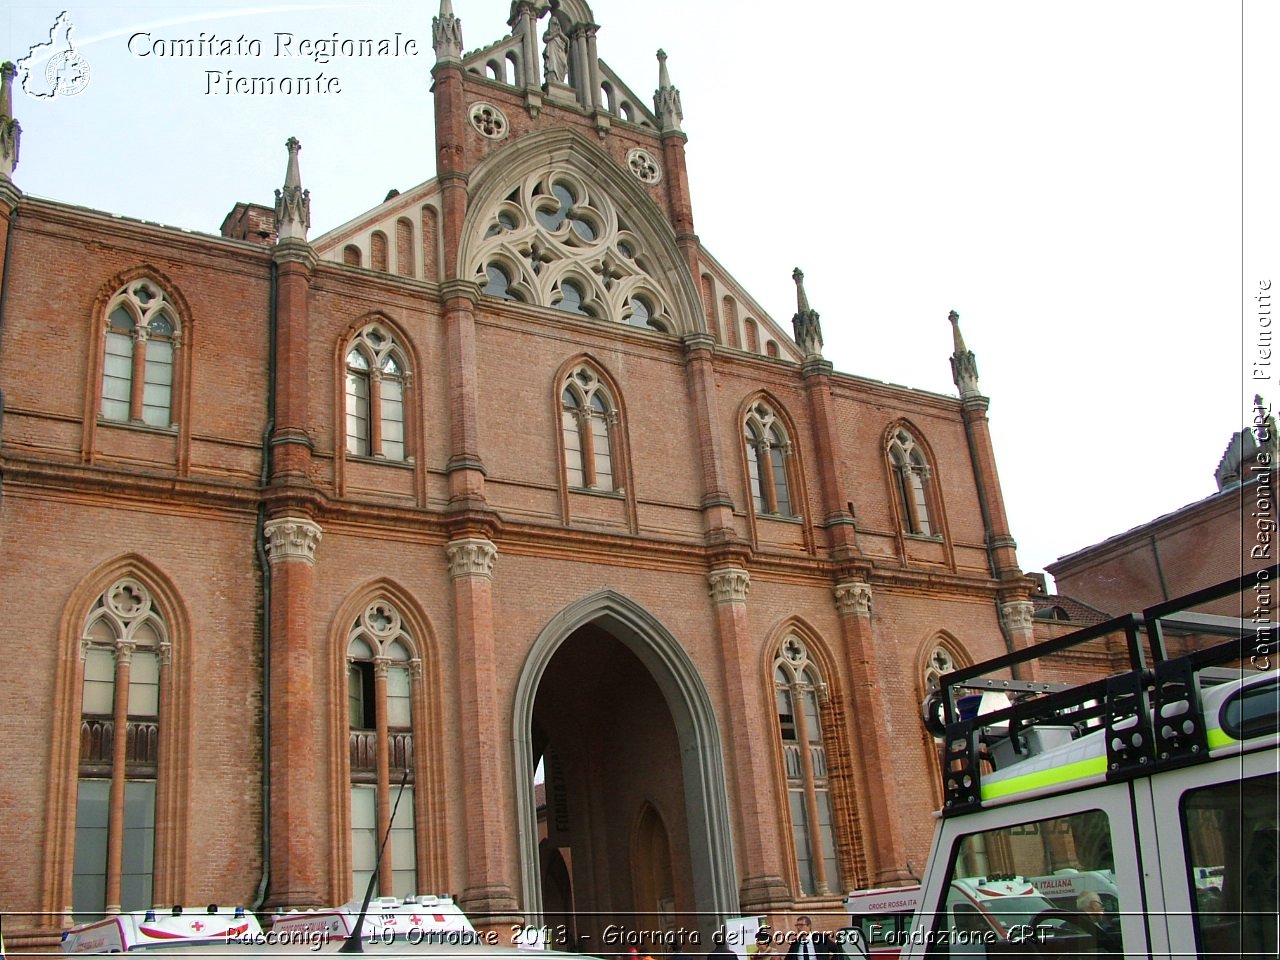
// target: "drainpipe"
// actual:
[[264, 565]]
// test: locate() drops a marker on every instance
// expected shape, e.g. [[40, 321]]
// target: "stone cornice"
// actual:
[[295, 251], [471, 557], [292, 538]]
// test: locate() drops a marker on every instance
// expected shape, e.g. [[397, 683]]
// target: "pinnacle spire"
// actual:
[[964, 366], [10, 130], [666, 99], [446, 33], [293, 204], [808, 329]]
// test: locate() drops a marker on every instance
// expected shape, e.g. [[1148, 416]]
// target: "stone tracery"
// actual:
[[558, 241]]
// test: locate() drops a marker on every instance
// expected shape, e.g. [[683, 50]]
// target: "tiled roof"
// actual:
[[1077, 611]]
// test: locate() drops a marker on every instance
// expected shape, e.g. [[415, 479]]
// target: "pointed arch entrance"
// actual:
[[636, 808]]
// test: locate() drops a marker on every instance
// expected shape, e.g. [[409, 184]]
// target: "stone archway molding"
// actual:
[[701, 751]]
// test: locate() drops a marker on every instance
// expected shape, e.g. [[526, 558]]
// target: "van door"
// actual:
[[1215, 826], [1085, 831]]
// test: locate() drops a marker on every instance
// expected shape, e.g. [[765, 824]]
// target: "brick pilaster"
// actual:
[[300, 836], [884, 842], [717, 505], [488, 897], [291, 445], [759, 846], [841, 534]]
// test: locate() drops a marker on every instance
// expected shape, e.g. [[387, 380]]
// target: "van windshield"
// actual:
[[991, 894]]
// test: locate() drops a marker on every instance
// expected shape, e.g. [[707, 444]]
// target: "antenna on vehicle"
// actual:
[[355, 939]]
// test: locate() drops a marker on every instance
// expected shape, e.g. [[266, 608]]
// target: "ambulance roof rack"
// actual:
[[1124, 704]]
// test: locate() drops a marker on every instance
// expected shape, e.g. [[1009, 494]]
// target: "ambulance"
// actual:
[[1138, 786], [414, 920], [150, 929], [878, 920]]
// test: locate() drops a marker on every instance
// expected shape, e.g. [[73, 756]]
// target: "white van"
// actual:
[[1162, 796]]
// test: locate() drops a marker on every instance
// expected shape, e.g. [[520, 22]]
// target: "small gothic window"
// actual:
[[376, 385], [588, 420], [138, 360], [911, 477], [768, 452]]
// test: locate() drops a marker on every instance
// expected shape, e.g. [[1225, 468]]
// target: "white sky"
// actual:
[[1083, 181]]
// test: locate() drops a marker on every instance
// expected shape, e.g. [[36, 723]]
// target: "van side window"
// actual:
[[1231, 835], [1048, 885]]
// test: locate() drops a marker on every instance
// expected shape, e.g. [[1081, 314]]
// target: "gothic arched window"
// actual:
[[911, 484], [798, 689], [377, 385], [382, 667], [768, 451], [142, 336], [125, 649], [589, 422]]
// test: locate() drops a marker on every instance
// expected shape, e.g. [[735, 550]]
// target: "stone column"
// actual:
[[300, 837], [488, 897], [119, 757], [872, 735], [759, 845]]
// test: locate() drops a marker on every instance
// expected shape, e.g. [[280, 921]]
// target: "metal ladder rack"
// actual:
[[1124, 704]]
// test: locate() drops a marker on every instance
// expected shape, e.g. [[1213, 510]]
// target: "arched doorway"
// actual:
[[635, 807]]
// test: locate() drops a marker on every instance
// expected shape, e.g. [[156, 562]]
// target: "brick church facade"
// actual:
[[506, 475]]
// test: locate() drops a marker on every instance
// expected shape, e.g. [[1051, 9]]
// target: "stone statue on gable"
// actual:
[[555, 56]]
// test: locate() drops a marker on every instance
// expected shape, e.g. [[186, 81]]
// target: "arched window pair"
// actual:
[[798, 690], [589, 420], [382, 669], [911, 480], [142, 337], [125, 650], [768, 454], [377, 389]]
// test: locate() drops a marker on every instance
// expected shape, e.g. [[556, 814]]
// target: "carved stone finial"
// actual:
[[292, 538], [730, 585], [807, 328], [293, 204], [471, 557], [854, 597], [964, 366], [666, 99], [446, 34], [10, 130]]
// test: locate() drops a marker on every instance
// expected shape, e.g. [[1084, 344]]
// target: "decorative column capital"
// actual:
[[292, 538], [1018, 615], [471, 557], [854, 597], [729, 585]]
